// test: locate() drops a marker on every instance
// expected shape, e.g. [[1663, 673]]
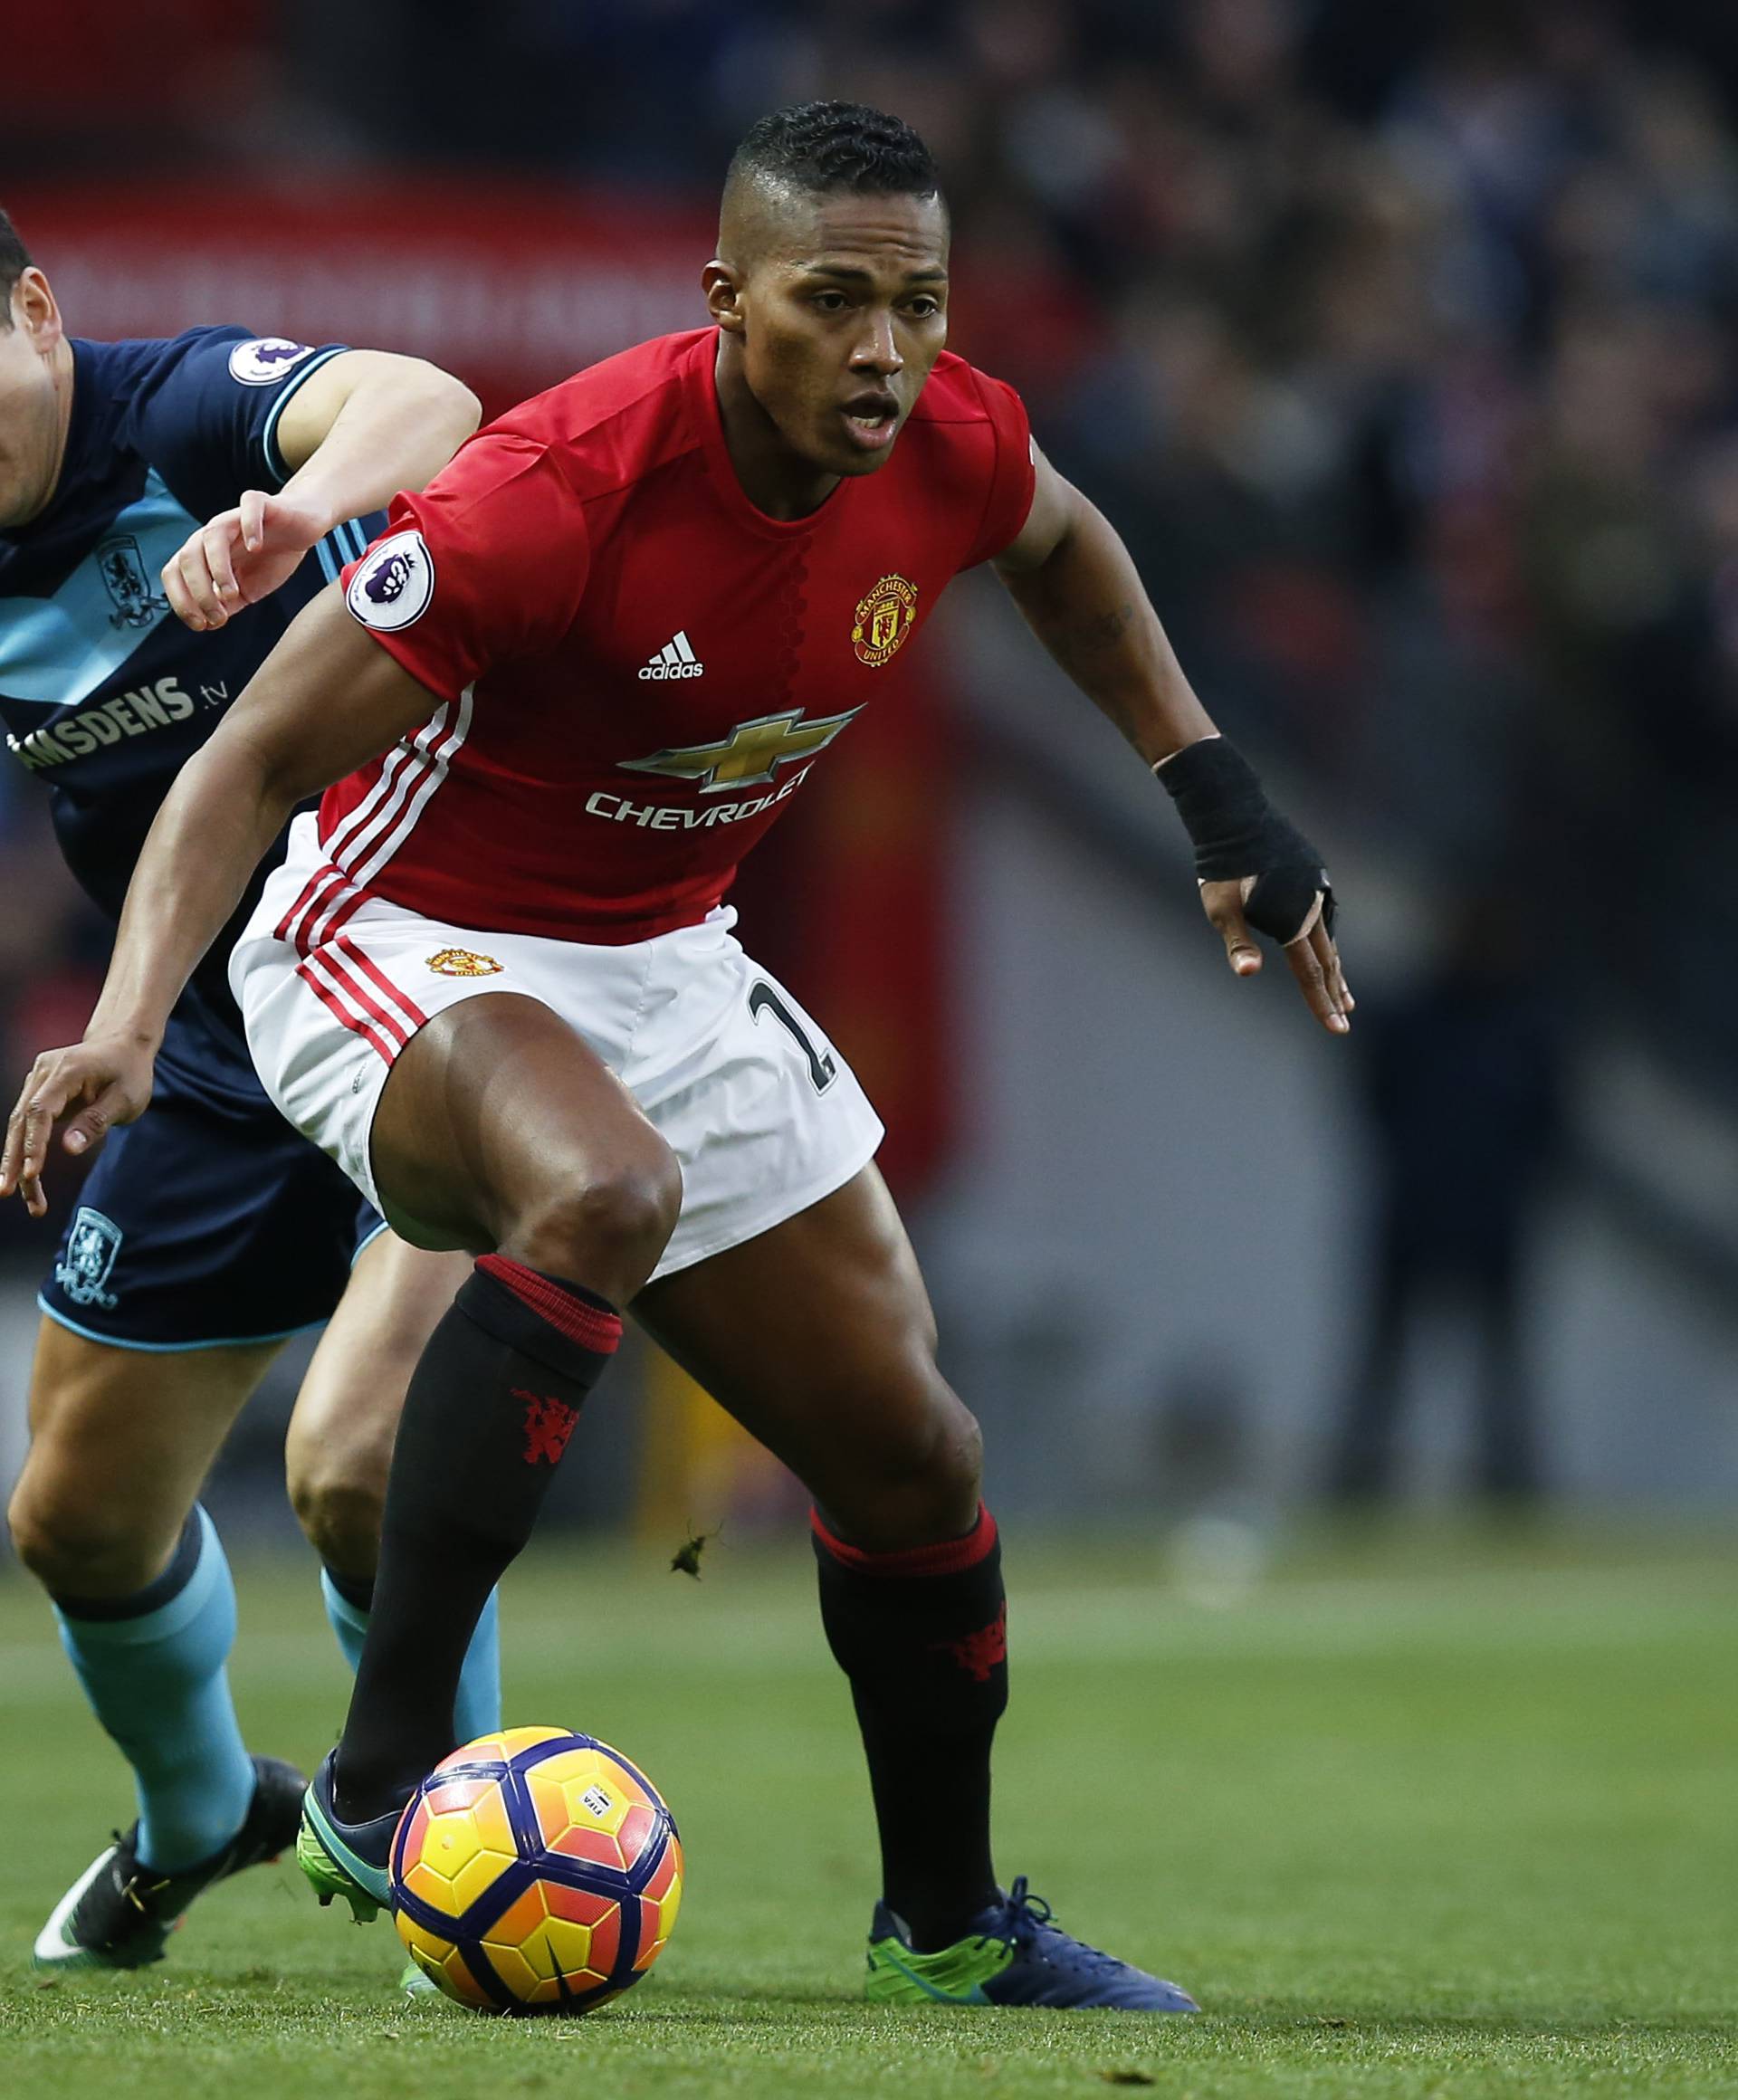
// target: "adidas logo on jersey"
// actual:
[[674, 660]]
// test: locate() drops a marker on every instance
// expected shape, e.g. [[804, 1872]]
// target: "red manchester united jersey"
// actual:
[[636, 668]]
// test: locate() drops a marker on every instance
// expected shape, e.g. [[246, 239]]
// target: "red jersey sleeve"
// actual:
[[487, 564], [1014, 477]]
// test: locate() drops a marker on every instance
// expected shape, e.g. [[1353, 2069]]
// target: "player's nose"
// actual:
[[878, 351]]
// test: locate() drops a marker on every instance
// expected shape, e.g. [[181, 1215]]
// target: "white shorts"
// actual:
[[763, 1112]]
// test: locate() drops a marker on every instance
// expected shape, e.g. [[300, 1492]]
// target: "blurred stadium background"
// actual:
[[1400, 344]]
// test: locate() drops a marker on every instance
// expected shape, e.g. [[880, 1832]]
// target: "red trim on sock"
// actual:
[[946, 1557], [580, 1319]]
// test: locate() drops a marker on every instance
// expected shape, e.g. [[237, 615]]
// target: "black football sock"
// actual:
[[922, 1635], [487, 1416]]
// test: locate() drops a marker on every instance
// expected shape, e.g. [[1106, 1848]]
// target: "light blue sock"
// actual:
[[157, 1682], [478, 1708]]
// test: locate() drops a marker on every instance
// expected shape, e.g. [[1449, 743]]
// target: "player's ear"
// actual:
[[723, 289], [34, 304]]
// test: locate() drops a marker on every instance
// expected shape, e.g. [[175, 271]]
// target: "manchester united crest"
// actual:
[[884, 617], [462, 962]]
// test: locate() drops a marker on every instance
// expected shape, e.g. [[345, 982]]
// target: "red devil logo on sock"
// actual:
[[548, 1422], [979, 1653]]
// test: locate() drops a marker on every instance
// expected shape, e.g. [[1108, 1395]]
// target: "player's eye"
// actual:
[[924, 307], [830, 301]]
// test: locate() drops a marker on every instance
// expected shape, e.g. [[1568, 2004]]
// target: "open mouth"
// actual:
[[871, 419]]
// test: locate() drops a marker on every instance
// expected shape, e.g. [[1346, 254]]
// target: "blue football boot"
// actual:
[[1014, 1954], [347, 1859]]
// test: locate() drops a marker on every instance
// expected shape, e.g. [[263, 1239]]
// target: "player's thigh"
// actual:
[[817, 1336], [340, 1443], [121, 1440], [499, 1127]]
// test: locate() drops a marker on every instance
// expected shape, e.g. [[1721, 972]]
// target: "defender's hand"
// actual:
[[1313, 955], [239, 557], [98, 1082]]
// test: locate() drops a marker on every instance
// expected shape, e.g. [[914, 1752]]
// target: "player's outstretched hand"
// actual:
[[97, 1083], [1311, 952], [1257, 873], [239, 557]]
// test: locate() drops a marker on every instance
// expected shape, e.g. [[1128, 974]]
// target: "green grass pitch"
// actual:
[[1408, 1820]]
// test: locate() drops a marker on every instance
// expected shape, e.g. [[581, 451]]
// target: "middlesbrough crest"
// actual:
[[91, 1247], [132, 589]]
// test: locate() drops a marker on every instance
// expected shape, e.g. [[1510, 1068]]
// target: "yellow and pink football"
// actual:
[[535, 1871]]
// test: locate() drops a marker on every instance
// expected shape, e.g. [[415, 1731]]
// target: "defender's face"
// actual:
[[31, 412], [843, 317]]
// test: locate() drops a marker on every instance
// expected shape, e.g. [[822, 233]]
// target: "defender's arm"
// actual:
[[359, 428], [326, 701], [1072, 578]]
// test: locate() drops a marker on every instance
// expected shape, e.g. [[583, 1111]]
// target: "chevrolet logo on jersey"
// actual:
[[753, 751]]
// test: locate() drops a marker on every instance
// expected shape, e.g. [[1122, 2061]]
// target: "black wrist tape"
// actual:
[[1239, 837]]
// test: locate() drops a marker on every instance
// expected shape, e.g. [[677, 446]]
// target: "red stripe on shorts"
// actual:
[[338, 911], [309, 889], [366, 964], [356, 990], [329, 999]]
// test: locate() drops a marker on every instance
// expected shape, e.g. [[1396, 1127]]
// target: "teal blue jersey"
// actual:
[[103, 691]]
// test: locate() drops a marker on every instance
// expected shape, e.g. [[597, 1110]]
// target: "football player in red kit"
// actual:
[[560, 697]]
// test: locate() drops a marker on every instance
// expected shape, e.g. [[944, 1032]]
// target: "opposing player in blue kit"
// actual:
[[208, 1231]]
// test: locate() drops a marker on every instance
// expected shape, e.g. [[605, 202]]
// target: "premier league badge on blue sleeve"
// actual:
[[264, 361]]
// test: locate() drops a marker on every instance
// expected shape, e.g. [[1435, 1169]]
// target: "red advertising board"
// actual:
[[511, 286]]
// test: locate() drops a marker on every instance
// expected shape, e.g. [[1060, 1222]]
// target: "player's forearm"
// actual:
[[214, 828], [327, 700], [398, 427], [1086, 604]]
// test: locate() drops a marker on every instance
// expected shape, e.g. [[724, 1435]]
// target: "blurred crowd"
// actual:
[[1399, 342]]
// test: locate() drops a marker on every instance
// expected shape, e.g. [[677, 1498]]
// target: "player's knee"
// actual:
[[77, 1549], [336, 1459], [340, 1513], [949, 1479], [611, 1225], [921, 1479]]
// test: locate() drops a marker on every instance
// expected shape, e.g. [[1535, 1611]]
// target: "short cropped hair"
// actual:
[[828, 148], [14, 260]]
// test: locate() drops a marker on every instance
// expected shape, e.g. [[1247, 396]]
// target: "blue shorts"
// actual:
[[209, 1222]]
